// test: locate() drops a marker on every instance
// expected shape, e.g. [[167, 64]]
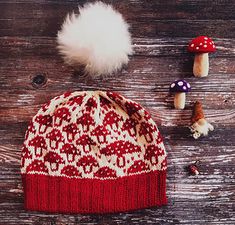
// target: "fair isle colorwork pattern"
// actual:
[[93, 152]]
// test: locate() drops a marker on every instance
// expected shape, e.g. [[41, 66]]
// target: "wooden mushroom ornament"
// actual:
[[201, 46], [199, 127], [180, 88]]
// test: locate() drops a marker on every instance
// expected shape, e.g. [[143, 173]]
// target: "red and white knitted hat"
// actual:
[[93, 152]]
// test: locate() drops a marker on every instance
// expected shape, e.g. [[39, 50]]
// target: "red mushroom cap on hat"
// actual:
[[53, 157], [104, 172], [201, 44], [37, 166], [138, 167], [70, 171]]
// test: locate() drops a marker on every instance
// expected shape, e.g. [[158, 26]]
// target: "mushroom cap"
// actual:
[[201, 44], [180, 86]]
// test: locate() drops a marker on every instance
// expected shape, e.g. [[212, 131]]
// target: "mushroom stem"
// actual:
[[179, 100], [201, 65]]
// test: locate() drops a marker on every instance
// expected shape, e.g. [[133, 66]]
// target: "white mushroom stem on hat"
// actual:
[[201, 65], [179, 100]]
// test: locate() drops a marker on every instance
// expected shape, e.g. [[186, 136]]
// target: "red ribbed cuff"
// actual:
[[67, 195]]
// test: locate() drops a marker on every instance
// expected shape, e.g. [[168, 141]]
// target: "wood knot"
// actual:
[[39, 80]]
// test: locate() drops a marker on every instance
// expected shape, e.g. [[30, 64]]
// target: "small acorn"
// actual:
[[193, 169]]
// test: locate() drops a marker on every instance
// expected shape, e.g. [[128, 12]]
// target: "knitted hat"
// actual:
[[93, 152]]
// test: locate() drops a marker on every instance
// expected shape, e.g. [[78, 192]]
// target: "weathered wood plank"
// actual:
[[156, 19]]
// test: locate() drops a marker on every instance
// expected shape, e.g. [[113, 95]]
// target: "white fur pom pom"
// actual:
[[97, 38]]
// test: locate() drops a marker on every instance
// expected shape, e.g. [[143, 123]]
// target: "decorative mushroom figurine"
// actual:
[[180, 88], [201, 46]]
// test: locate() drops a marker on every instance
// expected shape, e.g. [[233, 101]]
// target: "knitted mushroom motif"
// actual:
[[37, 166], [31, 130], [100, 132], [86, 143], [55, 138], [77, 100], [67, 94], [105, 103], [25, 154], [130, 126], [120, 148], [54, 160], [105, 172], [46, 106], [86, 121], [201, 46], [39, 145], [152, 152], [87, 162], [132, 109], [44, 121], [111, 119], [159, 138], [70, 150], [146, 130], [60, 115], [91, 104], [138, 167], [118, 99], [70, 171], [164, 164], [71, 130]]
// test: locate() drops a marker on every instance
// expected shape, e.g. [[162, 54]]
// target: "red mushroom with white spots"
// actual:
[[39, 145], [100, 132], [37, 166], [55, 137], [112, 119], [70, 150], [71, 130], [54, 160], [44, 122], [130, 126], [146, 130], [86, 121], [25, 154], [133, 109], [70, 171], [201, 46], [62, 114], [120, 148], [138, 167], [87, 162], [86, 143], [152, 152], [105, 172]]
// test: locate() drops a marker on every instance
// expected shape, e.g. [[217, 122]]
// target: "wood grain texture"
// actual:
[[161, 31]]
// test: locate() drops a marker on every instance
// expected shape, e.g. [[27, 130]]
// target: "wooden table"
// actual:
[[32, 72]]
